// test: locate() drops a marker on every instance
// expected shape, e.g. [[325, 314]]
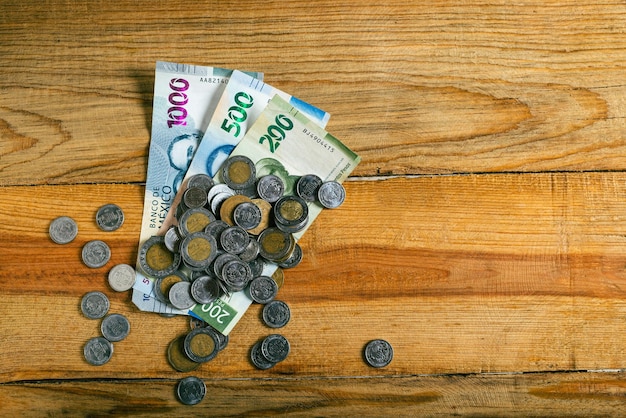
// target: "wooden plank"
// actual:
[[544, 394], [413, 87]]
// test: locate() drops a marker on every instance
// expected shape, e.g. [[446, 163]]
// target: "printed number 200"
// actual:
[[216, 312]]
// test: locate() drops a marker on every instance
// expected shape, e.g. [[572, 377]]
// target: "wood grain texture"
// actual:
[[483, 234]]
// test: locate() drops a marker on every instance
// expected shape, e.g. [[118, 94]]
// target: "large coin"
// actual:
[[308, 186], [177, 358], [291, 213], [162, 286], [63, 230], [190, 390], [276, 314], [257, 358], [98, 351], [275, 348], [275, 245], [270, 188], [94, 305], [122, 277], [194, 220], [263, 289], [378, 353], [331, 194], [201, 345], [227, 208], [115, 327], [238, 172], [198, 250], [96, 254], [266, 210], [109, 217], [156, 260]]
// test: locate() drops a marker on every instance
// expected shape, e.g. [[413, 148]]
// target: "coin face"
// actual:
[[180, 295], [263, 289], [115, 327], [201, 345], [270, 188], [331, 194], [98, 351], [238, 172], [109, 217], [96, 254], [234, 239], [236, 274], [247, 215], [200, 180], [275, 245], [194, 220], [227, 208], [378, 353], [63, 230], [266, 209], [205, 289], [294, 259], [308, 186], [122, 277], [257, 358], [177, 357], [94, 305], [195, 197], [190, 390], [275, 348], [276, 314], [198, 250], [156, 260]]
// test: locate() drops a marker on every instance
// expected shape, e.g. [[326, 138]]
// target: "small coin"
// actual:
[[122, 277], [194, 220], [195, 197], [109, 217], [177, 358], [205, 289], [247, 215], [238, 172], [180, 295], [331, 194], [98, 351], [276, 314], [94, 305], [216, 228], [308, 186], [190, 390], [220, 261], [263, 289], [156, 260], [294, 259], [203, 181], [63, 230], [198, 250], [257, 358], [251, 251], [275, 245], [227, 208], [270, 188], [201, 345], [275, 348], [96, 254], [115, 327], [378, 353], [234, 239], [236, 274], [256, 266], [172, 239], [162, 286], [266, 211]]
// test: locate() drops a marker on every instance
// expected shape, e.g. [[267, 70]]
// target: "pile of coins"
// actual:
[[187, 352]]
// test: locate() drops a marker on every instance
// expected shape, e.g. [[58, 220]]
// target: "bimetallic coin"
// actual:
[[156, 260], [201, 345], [198, 250], [275, 245], [94, 305], [291, 213], [238, 172], [276, 314], [190, 390], [275, 348], [331, 194], [122, 277], [177, 358], [308, 186], [378, 353], [109, 217], [234, 239], [263, 289], [180, 295], [257, 358], [96, 254], [247, 215], [205, 289], [194, 220], [115, 327], [236, 274], [98, 351], [294, 259], [270, 188], [195, 197], [172, 239], [63, 230]]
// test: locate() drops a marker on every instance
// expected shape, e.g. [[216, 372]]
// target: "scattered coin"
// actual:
[[238, 172], [122, 277], [236, 274], [270, 188], [266, 211], [216, 228], [109, 217], [308, 186], [378, 353], [263, 289], [291, 214], [227, 208], [276, 314], [172, 239], [162, 286], [96, 254], [257, 358], [275, 245], [331, 194], [180, 295], [279, 277], [94, 305], [190, 390], [251, 251], [63, 230], [275, 348], [201, 345], [98, 351], [177, 358], [115, 327]]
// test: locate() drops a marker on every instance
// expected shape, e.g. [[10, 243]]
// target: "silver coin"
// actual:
[[378, 353], [122, 277], [307, 187], [96, 254], [109, 217], [234, 239], [256, 266], [247, 215], [275, 348], [263, 289], [270, 188], [294, 259], [216, 228], [220, 261], [257, 358], [219, 189], [205, 289], [115, 327], [331, 194], [198, 250], [238, 172], [200, 180], [180, 295], [195, 197], [251, 251], [199, 349], [63, 230], [98, 351], [190, 390], [216, 202], [236, 274], [156, 260], [276, 314], [94, 305], [172, 239]]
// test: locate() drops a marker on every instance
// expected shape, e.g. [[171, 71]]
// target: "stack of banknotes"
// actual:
[[201, 116]]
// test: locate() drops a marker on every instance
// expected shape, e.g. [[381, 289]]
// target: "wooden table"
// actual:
[[484, 233]]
